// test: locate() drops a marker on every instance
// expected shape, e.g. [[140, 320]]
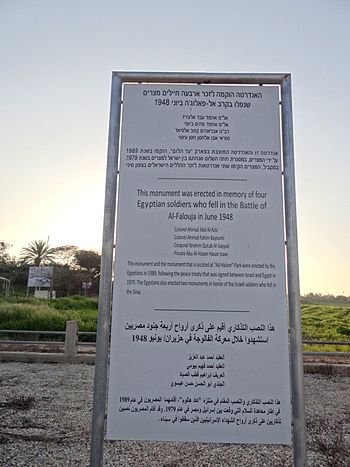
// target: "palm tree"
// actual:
[[37, 252]]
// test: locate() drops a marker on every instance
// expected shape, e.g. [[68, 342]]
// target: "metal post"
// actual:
[[105, 294], [297, 370]]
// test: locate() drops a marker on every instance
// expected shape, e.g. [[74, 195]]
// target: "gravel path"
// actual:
[[46, 414]]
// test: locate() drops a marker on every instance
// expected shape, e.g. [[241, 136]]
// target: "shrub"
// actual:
[[75, 302]]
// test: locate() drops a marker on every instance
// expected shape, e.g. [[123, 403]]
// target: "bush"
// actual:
[[75, 302]]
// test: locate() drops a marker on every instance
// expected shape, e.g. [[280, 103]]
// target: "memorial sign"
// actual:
[[199, 348]]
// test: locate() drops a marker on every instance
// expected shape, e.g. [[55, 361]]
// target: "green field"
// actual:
[[319, 321], [47, 315], [327, 323]]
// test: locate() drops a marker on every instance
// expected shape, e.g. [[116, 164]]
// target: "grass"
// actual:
[[328, 323], [44, 315]]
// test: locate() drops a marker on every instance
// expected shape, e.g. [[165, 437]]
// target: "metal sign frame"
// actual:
[[283, 80]]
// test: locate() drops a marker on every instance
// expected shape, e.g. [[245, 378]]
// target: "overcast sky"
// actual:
[[56, 60]]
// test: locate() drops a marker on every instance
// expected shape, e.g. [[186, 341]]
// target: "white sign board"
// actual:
[[199, 347], [40, 276]]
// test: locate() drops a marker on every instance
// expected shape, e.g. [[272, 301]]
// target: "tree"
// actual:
[[4, 256], [37, 252], [76, 271], [89, 260], [67, 279], [11, 268], [65, 255], [4, 259]]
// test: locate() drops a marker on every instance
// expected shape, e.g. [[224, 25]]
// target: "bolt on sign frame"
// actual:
[[283, 81]]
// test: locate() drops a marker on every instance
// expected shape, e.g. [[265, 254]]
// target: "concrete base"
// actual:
[[328, 369]]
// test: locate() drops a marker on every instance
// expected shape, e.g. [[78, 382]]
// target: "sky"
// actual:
[[56, 61]]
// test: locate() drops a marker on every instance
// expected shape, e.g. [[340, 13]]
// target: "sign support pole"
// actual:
[[296, 360], [105, 293]]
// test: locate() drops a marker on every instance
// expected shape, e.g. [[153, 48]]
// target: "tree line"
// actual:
[[325, 298], [76, 271]]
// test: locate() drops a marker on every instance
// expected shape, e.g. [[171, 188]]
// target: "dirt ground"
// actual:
[[46, 414]]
